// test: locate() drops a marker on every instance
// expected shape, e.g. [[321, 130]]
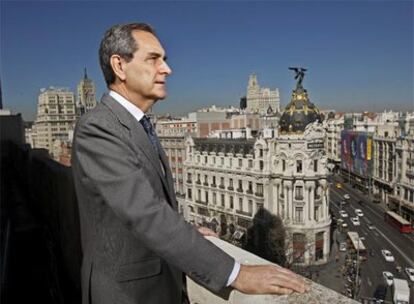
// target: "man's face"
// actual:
[[146, 73]]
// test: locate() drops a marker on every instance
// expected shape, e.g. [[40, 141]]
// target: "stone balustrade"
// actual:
[[201, 295]]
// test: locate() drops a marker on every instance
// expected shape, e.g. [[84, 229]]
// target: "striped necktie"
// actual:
[[149, 129]]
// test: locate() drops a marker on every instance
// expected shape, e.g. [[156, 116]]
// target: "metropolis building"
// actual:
[[227, 179]]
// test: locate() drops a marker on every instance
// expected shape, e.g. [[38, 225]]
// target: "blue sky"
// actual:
[[359, 54]]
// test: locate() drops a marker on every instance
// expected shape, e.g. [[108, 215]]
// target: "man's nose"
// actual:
[[165, 68]]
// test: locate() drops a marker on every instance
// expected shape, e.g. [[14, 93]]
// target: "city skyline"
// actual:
[[359, 54]]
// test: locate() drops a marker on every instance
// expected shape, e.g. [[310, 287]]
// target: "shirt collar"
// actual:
[[129, 106]]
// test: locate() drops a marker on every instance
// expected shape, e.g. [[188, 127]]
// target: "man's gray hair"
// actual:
[[118, 40]]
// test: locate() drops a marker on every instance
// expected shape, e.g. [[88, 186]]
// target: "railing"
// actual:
[[201, 202], [244, 213], [200, 295]]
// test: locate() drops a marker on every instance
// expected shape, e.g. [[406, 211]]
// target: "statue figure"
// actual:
[[300, 74]]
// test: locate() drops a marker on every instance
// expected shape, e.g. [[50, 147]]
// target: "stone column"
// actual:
[[323, 183], [278, 184], [308, 211], [312, 200], [288, 199]]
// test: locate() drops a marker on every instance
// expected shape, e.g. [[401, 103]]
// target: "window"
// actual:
[[283, 165], [299, 192], [299, 241], [206, 196], [316, 213], [240, 162], [250, 163], [189, 195], [250, 206], [250, 187], [299, 214], [199, 194], [214, 198], [214, 181], [261, 165], [299, 166], [259, 189], [260, 152], [230, 182], [222, 160], [223, 201], [319, 242], [205, 180], [240, 185], [315, 165], [222, 182], [240, 204], [231, 202], [205, 159], [230, 162]]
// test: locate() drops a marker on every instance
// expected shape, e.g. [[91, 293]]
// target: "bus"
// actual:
[[355, 243], [398, 222]]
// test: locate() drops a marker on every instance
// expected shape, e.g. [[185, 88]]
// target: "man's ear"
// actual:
[[118, 66]]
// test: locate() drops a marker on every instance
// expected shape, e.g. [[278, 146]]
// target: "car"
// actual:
[[342, 246], [410, 272], [370, 225], [355, 221], [344, 225], [359, 212], [343, 213], [389, 278], [338, 185], [346, 196], [387, 255], [380, 292]]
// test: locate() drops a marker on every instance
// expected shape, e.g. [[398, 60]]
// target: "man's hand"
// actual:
[[268, 279], [207, 232]]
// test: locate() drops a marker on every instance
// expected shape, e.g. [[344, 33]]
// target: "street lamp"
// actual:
[[360, 239]]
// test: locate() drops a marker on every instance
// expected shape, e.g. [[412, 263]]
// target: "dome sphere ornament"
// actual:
[[300, 111]]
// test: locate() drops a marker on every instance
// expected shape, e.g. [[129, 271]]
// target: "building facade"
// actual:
[[261, 99], [228, 178], [86, 99], [56, 116]]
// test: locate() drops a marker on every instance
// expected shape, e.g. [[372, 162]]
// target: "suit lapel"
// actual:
[[141, 141]]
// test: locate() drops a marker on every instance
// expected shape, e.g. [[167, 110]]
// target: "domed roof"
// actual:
[[299, 113]]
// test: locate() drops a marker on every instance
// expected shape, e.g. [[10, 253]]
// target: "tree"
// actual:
[[266, 237]]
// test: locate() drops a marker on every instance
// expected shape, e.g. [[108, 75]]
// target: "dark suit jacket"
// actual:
[[135, 244]]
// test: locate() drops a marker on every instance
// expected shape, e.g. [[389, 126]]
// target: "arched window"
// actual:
[[319, 246], [299, 242]]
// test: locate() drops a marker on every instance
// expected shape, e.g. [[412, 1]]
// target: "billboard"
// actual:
[[356, 152]]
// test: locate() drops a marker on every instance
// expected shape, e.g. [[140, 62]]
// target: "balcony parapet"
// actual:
[[317, 294]]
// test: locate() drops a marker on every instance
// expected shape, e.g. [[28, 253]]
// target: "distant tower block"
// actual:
[[260, 99], [86, 95]]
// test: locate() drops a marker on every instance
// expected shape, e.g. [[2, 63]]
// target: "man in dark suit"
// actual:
[[135, 244]]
